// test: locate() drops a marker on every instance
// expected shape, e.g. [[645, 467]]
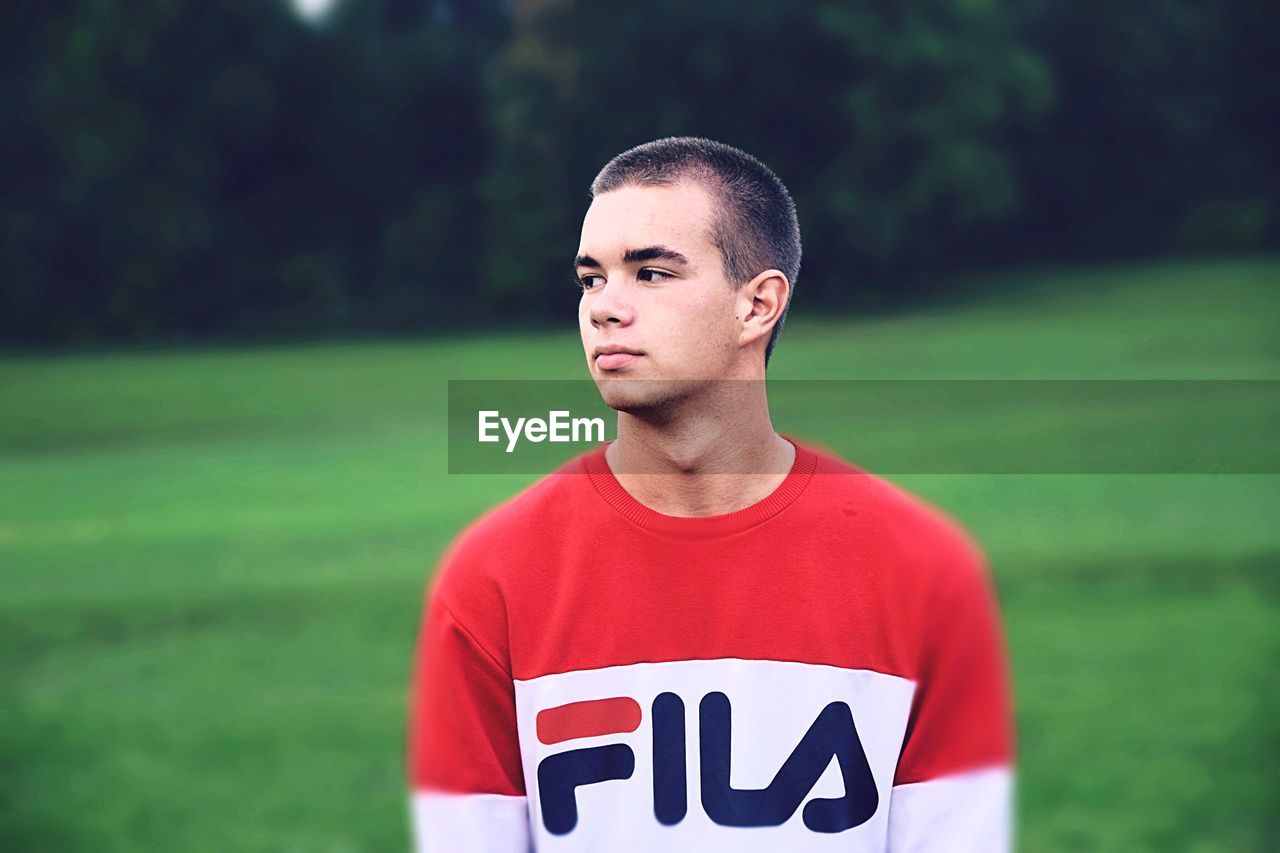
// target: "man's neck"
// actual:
[[705, 459]]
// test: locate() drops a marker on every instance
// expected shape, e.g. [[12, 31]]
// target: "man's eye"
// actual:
[[589, 282], [653, 275]]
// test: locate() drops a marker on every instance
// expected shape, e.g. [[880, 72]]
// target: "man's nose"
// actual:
[[611, 306]]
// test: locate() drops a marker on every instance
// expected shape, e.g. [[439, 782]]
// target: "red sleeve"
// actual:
[[462, 732], [961, 717]]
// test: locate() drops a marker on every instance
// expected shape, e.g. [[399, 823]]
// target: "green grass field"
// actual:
[[212, 563]]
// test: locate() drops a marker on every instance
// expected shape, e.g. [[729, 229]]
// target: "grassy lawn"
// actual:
[[212, 563]]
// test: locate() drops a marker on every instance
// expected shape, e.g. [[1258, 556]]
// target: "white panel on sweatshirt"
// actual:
[[469, 823], [773, 705], [964, 813]]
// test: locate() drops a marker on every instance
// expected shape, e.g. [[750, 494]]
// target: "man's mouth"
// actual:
[[616, 360]]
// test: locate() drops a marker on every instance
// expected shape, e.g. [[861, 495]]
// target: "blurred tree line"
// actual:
[[176, 170]]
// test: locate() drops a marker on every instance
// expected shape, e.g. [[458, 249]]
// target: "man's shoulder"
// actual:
[[928, 536], [517, 524]]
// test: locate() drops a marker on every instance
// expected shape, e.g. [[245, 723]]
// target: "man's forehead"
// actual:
[[677, 216]]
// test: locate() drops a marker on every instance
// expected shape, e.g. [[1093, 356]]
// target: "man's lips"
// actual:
[[616, 360]]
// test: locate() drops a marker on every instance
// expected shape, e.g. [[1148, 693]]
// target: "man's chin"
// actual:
[[643, 396]]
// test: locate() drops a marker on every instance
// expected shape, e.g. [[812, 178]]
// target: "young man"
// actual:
[[703, 635]]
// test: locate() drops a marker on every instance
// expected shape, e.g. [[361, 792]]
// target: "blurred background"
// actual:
[[243, 245]]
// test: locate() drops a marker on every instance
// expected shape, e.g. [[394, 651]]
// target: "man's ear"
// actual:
[[760, 304]]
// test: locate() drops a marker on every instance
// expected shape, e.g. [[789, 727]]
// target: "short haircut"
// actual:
[[755, 227]]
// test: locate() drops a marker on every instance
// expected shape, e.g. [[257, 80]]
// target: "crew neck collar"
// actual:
[[705, 526]]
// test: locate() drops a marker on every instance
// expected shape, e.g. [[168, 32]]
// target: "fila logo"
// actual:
[[832, 734]]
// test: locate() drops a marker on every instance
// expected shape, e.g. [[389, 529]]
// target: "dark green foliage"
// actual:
[[188, 169], [175, 171]]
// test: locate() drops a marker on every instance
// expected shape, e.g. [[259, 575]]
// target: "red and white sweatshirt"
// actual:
[[823, 670]]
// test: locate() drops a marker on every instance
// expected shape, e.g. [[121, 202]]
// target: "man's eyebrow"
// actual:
[[637, 256], [654, 253]]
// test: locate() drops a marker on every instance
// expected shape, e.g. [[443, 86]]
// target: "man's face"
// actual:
[[655, 304]]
